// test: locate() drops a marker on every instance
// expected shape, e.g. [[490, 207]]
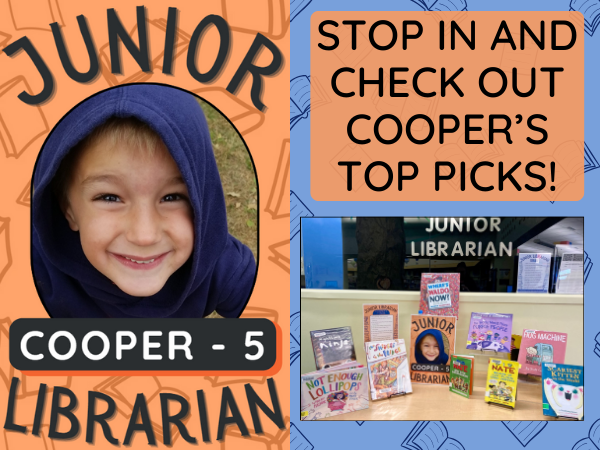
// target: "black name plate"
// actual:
[[144, 344]]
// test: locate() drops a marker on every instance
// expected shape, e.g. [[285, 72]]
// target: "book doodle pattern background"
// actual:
[[458, 434]]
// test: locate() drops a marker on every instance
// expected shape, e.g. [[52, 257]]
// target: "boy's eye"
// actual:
[[110, 198], [173, 197]]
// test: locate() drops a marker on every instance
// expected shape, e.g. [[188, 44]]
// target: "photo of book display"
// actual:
[[490, 331], [332, 347], [439, 294], [501, 384], [461, 374], [563, 390], [538, 347], [432, 343], [334, 391], [388, 368]]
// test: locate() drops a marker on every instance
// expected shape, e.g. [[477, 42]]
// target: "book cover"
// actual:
[[541, 347], [439, 294], [334, 391], [388, 368], [461, 375], [490, 331], [332, 347], [501, 384], [563, 390], [432, 343]]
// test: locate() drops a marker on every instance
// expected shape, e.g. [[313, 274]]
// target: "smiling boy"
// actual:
[[130, 206], [128, 212], [430, 348]]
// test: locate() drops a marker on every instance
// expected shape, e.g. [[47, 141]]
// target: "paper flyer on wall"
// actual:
[[571, 269]]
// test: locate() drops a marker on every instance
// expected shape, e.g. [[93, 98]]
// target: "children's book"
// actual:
[[432, 343], [334, 391], [388, 368], [563, 390], [501, 385], [439, 294], [490, 331], [332, 347], [461, 374], [540, 347]]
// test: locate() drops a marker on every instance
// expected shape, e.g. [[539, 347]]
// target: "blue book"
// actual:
[[562, 390]]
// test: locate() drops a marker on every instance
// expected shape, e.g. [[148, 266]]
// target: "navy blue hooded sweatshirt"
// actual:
[[219, 274], [442, 357]]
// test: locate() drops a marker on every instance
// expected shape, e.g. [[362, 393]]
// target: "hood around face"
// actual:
[[219, 274], [442, 357]]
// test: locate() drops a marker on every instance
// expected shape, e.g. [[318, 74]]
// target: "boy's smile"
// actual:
[[130, 206]]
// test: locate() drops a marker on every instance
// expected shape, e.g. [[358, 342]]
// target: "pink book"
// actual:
[[439, 294], [538, 347]]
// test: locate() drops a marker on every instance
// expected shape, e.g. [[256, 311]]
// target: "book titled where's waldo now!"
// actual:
[[440, 294]]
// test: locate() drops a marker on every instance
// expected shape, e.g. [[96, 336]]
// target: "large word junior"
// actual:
[[117, 33]]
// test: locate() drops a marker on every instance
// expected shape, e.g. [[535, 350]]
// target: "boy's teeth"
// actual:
[[140, 262]]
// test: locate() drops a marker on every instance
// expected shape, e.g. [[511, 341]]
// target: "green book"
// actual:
[[461, 375]]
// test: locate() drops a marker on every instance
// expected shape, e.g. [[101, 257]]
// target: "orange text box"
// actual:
[[408, 95]]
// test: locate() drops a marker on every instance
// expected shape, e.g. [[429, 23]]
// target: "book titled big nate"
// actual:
[[461, 375], [501, 385]]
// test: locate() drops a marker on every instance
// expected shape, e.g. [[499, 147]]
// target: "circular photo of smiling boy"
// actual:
[[128, 213]]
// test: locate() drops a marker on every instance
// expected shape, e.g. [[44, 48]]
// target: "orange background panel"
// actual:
[[23, 130], [330, 142]]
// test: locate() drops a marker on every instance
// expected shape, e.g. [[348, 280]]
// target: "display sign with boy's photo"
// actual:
[[432, 343]]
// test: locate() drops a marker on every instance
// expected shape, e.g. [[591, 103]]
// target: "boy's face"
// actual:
[[430, 348], [133, 215]]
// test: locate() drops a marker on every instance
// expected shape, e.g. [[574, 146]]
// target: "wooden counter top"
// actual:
[[436, 402]]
